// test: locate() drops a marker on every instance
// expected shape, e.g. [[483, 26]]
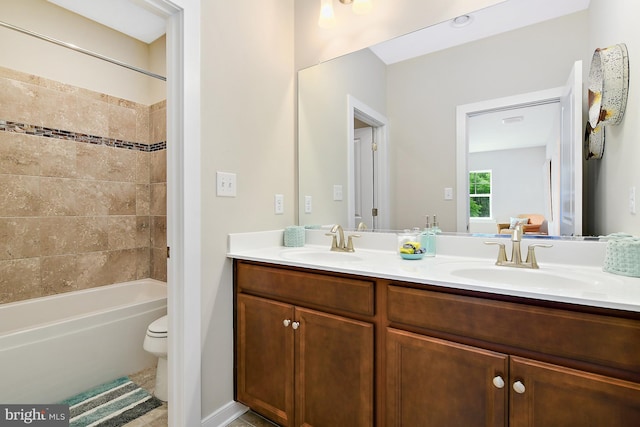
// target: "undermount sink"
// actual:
[[534, 278], [320, 256]]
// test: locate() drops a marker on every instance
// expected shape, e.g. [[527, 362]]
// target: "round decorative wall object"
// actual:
[[593, 142], [608, 85]]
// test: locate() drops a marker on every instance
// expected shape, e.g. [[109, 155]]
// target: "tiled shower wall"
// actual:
[[82, 188]]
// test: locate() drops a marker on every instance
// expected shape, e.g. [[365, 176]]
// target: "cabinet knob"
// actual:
[[518, 387], [295, 325], [498, 381], [286, 322]]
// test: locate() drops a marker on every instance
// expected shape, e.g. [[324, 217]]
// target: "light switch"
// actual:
[[307, 204], [225, 184], [278, 201]]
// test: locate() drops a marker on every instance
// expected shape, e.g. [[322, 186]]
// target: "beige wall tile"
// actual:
[[58, 235], [123, 265], [158, 231], [58, 196], [91, 116], [143, 235], [122, 232], [158, 199], [93, 270], [158, 123], [92, 234], [58, 157], [142, 124], [18, 101], [92, 161], [122, 123], [92, 198], [143, 195], [122, 164], [158, 171], [19, 195], [54, 109], [58, 274], [19, 279], [143, 162], [143, 262], [19, 154], [159, 264], [19, 238], [122, 197]]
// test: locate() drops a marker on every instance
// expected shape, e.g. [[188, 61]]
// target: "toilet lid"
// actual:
[[158, 328]]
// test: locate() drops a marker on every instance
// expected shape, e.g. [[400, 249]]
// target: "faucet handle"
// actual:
[[502, 253], [531, 254], [350, 247], [517, 233]]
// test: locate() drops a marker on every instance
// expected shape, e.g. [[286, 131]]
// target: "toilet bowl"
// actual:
[[155, 342]]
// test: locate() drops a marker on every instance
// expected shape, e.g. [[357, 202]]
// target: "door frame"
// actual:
[[380, 124]]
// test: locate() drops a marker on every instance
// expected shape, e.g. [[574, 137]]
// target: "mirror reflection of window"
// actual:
[[480, 194]]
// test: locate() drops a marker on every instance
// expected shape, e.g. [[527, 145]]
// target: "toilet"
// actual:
[[155, 342]]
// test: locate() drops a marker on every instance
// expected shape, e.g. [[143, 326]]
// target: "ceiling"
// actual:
[[130, 17], [506, 16]]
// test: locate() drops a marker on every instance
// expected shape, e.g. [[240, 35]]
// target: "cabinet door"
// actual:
[[334, 371], [550, 395], [435, 383], [264, 362]]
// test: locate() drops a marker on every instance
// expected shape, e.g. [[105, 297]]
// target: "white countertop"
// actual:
[[570, 272]]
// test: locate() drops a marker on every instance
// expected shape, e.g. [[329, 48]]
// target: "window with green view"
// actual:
[[480, 194]]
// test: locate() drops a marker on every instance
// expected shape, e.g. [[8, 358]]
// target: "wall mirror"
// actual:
[[414, 102]]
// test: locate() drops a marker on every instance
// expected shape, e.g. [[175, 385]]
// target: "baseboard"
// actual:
[[225, 415]]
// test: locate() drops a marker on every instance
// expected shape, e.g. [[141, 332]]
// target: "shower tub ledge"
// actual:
[[56, 346]]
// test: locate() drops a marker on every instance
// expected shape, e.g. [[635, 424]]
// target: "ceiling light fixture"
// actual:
[[461, 21], [327, 18]]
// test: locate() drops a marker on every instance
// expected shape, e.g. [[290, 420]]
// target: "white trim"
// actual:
[[463, 112], [225, 415], [183, 210], [380, 124]]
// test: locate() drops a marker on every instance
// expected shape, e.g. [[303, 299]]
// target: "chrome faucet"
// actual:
[[516, 253], [338, 243]]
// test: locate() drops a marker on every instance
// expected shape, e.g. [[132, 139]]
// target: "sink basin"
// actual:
[[543, 278], [320, 256]]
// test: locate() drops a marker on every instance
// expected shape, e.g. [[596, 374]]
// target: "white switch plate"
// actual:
[[632, 200], [225, 184], [448, 193], [337, 192], [278, 204], [307, 204]]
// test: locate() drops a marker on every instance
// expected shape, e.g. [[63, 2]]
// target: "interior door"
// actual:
[[365, 180], [571, 155]]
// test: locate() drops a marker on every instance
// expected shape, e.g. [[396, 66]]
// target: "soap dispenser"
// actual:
[[428, 239]]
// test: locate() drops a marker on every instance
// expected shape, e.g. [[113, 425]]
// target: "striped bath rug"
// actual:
[[111, 404]]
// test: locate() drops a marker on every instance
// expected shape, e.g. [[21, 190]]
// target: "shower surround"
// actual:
[[82, 188]]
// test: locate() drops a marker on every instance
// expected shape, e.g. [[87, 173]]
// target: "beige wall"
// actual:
[[247, 128], [82, 200], [612, 22]]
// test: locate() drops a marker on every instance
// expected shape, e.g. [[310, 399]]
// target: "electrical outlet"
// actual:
[[337, 192], [278, 204], [307, 204], [225, 184]]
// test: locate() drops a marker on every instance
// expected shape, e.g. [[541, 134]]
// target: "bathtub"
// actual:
[[54, 347]]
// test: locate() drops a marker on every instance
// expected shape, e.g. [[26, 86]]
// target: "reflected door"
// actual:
[[365, 182]]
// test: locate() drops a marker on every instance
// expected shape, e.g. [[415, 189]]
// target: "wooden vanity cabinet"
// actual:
[[431, 380], [299, 363]]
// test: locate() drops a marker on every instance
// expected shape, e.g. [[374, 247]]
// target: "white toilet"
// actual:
[[155, 342]]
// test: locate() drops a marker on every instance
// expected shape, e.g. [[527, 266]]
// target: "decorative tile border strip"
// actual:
[[15, 127]]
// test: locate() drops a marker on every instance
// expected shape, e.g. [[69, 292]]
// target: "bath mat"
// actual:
[[111, 404]]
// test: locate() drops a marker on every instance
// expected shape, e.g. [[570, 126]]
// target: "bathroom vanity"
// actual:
[[375, 340]]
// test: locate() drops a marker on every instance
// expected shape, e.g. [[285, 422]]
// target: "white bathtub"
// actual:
[[54, 347]]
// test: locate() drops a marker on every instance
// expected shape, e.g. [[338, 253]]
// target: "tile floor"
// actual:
[[159, 416]]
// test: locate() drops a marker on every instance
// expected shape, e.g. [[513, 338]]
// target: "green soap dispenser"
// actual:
[[428, 239]]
